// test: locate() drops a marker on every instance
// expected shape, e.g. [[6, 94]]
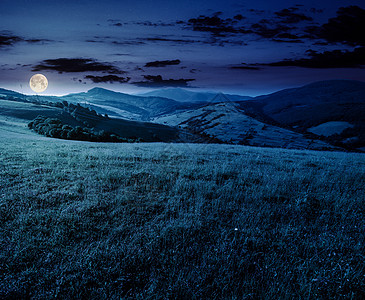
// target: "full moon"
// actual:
[[38, 83]]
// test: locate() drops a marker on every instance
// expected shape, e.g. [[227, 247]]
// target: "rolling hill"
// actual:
[[321, 115], [126, 106], [16, 111], [226, 123], [321, 104]]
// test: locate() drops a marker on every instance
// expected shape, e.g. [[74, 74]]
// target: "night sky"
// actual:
[[242, 47]]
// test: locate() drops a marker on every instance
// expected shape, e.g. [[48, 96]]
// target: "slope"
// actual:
[[20, 113], [321, 103], [227, 123], [124, 105]]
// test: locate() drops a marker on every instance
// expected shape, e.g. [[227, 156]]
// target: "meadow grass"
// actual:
[[81, 220]]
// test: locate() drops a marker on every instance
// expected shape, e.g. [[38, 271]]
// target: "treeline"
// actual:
[[53, 127]]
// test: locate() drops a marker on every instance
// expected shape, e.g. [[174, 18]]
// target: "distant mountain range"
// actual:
[[183, 95], [321, 115], [126, 106]]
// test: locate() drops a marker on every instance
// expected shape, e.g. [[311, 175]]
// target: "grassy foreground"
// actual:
[[162, 221]]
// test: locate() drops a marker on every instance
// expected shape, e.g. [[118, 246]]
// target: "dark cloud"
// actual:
[[213, 40], [312, 32], [128, 43], [70, 65], [316, 10], [296, 41], [115, 22], [244, 66], [118, 23], [122, 54], [239, 17], [99, 39], [281, 26], [162, 63], [161, 39], [39, 41], [266, 28], [321, 43], [154, 24], [110, 40], [158, 81], [289, 25], [107, 78], [347, 27], [216, 25], [9, 39], [270, 29], [289, 16], [256, 11], [328, 59], [286, 35]]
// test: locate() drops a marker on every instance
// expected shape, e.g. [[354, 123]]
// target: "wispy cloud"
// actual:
[[328, 59], [317, 60], [245, 66], [162, 63], [107, 78], [289, 15], [7, 38], [216, 24]]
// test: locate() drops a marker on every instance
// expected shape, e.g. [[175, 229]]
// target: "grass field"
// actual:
[[82, 220]]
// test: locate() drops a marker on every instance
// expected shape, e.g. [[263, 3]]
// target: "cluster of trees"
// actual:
[[53, 127]]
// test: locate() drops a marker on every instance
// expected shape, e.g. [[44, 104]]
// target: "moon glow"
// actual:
[[38, 83]]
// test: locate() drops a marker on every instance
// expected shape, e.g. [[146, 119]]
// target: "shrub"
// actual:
[[53, 127]]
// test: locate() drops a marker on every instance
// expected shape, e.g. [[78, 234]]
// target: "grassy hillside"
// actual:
[[226, 123], [325, 102], [26, 111], [79, 116], [144, 221]]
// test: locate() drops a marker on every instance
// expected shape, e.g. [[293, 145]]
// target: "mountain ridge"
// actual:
[[183, 95]]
